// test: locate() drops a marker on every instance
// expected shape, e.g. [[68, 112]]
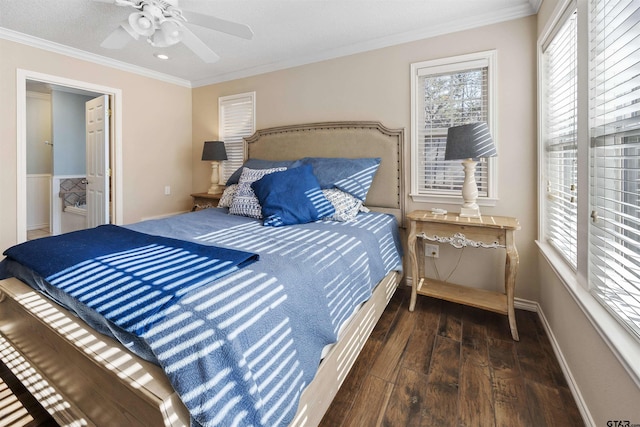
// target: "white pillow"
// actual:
[[346, 205], [227, 196], [245, 202]]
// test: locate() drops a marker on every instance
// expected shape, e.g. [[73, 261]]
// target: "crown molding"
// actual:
[[50, 46], [535, 5], [472, 22]]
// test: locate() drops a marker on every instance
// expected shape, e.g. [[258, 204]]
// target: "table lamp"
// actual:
[[469, 143], [214, 152]]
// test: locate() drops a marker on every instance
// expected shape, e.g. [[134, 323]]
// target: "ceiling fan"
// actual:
[[162, 23]]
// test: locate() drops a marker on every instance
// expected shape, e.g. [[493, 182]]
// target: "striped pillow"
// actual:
[[245, 202]]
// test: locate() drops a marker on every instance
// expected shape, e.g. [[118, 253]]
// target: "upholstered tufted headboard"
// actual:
[[341, 139]]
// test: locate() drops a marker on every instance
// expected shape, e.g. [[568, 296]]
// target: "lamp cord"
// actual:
[[455, 267]]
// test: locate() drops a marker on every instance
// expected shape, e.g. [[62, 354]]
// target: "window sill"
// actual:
[[450, 200], [623, 345]]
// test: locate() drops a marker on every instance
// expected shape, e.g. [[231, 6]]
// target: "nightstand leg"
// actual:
[[415, 275], [510, 271]]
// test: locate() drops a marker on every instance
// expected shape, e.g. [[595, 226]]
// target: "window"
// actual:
[[236, 121], [614, 232], [445, 93], [560, 139], [590, 151]]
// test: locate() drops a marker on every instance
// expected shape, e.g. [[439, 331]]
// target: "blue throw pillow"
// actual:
[[244, 201], [353, 176], [291, 197], [259, 164]]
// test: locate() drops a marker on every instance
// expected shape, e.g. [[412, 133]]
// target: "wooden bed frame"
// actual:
[[84, 378]]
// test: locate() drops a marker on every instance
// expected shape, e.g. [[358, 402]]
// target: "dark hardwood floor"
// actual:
[[450, 365], [442, 365]]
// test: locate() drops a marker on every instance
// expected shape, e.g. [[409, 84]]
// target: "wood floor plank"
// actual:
[[509, 393], [533, 359], [417, 355], [343, 402], [407, 400], [570, 407], [441, 405], [388, 361], [476, 395], [370, 403], [451, 321], [546, 407]]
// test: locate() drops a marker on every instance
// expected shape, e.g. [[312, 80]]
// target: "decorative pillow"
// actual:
[[291, 197], [245, 202], [227, 196], [353, 176], [259, 164], [346, 206]]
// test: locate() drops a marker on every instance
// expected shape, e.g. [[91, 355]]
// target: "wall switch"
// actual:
[[167, 190], [431, 251]]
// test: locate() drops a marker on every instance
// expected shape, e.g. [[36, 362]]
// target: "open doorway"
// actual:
[[60, 158], [57, 172]]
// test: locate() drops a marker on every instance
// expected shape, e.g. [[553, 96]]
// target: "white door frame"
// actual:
[[21, 117]]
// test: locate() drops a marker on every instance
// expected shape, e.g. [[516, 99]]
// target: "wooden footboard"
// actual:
[[84, 378], [93, 379]]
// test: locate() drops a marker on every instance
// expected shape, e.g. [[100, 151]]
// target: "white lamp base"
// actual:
[[470, 212], [469, 208], [215, 178]]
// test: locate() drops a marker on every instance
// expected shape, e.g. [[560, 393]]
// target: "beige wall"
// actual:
[[156, 134], [376, 86]]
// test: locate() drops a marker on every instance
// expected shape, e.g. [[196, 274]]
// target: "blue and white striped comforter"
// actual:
[[241, 349]]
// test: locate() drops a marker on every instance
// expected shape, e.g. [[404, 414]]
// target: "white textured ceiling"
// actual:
[[286, 32]]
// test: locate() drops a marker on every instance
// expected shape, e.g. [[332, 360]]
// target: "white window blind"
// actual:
[[448, 94], [560, 139], [614, 248], [236, 121]]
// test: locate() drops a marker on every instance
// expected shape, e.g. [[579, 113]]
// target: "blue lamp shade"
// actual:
[[470, 141], [214, 150]]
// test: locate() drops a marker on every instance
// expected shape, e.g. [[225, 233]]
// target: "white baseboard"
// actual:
[[43, 226], [575, 391], [525, 304]]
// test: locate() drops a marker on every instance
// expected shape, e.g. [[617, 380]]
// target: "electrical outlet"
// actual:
[[167, 190], [431, 251]]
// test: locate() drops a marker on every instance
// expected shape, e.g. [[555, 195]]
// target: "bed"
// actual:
[[85, 378]]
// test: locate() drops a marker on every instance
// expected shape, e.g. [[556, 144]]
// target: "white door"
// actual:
[[97, 125]]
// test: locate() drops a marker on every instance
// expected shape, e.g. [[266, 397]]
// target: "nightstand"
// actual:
[[490, 232], [205, 200]]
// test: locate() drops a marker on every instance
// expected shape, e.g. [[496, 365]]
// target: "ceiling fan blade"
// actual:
[[117, 39], [198, 47], [118, 2], [217, 24]]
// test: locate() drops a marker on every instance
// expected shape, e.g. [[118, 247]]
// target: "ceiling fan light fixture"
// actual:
[[162, 24], [169, 33], [142, 23]]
